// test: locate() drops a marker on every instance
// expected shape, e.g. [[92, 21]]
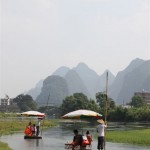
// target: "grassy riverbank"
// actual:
[[136, 137], [4, 146], [14, 126]]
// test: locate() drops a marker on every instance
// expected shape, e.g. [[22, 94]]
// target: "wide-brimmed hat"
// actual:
[[101, 121]]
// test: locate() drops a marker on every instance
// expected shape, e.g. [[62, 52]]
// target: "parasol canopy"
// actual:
[[79, 114], [33, 113]]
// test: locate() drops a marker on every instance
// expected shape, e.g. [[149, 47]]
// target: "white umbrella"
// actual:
[[33, 113], [82, 113]]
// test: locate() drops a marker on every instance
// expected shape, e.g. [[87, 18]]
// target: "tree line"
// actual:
[[136, 110]]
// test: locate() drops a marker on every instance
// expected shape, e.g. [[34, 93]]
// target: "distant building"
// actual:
[[7, 105], [5, 101], [144, 95]]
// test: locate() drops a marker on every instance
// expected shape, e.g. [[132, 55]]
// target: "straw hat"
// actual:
[[101, 121]]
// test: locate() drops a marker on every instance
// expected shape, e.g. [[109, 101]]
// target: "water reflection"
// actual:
[[37, 142], [54, 139]]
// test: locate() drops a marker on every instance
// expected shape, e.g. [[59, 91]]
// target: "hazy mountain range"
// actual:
[[65, 81]]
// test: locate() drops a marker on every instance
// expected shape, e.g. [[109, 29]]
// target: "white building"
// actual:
[[5, 101]]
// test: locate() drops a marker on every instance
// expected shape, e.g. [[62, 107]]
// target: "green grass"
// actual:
[[4, 146], [136, 137], [8, 127]]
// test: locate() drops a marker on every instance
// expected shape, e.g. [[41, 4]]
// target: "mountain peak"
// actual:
[[82, 65], [109, 73], [61, 71], [82, 68], [136, 60], [133, 64]]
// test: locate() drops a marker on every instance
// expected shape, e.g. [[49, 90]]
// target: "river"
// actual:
[[54, 139]]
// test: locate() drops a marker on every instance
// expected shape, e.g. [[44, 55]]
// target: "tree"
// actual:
[[137, 101], [101, 99], [106, 104], [77, 101], [25, 102], [50, 111]]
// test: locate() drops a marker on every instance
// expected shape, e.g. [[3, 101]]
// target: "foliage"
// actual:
[[137, 101], [102, 98], [50, 111], [105, 102], [138, 112], [129, 114], [77, 101], [25, 102], [115, 113]]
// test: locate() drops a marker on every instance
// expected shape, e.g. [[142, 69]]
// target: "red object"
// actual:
[[28, 131]]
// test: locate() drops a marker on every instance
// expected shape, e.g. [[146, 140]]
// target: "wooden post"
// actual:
[[106, 96], [106, 101]]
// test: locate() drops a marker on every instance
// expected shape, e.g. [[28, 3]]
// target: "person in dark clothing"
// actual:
[[77, 139], [38, 126]]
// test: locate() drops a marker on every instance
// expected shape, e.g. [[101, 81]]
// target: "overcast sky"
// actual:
[[39, 36]]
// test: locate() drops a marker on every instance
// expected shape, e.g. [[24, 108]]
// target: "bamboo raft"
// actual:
[[32, 137]]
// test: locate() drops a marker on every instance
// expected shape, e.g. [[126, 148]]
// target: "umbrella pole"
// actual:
[[82, 126], [42, 127]]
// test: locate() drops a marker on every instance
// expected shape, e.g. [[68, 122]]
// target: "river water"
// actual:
[[55, 139]]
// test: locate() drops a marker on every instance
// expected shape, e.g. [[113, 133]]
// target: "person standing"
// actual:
[[38, 126], [33, 129], [101, 133]]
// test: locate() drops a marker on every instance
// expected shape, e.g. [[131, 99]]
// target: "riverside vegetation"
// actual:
[[136, 137]]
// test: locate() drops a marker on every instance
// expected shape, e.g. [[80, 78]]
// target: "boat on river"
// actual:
[[32, 130]]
